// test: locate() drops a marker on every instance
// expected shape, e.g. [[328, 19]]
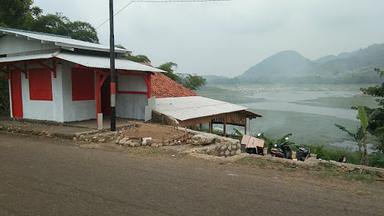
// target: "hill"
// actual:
[[290, 66]]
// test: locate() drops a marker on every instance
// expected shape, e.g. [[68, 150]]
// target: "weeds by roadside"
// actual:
[[322, 170]]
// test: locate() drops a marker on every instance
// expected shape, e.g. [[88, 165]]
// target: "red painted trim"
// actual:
[[131, 92], [19, 69], [100, 79], [16, 94], [52, 69], [149, 84], [113, 88]]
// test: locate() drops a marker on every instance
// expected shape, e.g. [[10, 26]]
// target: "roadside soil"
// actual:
[[159, 133]]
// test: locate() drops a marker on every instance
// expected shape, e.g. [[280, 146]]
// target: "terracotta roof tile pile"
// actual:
[[163, 86]]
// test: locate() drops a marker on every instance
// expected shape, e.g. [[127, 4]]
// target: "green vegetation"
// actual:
[[323, 170], [376, 115], [169, 68], [192, 82], [335, 153], [22, 15], [361, 134], [4, 102]]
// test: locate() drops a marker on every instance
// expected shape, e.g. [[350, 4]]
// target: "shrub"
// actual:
[[335, 153], [4, 100], [376, 160]]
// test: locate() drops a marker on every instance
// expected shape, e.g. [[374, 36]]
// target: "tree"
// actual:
[[4, 101], [376, 115], [62, 25], [194, 82], [15, 13], [361, 135], [82, 31], [169, 69], [139, 59]]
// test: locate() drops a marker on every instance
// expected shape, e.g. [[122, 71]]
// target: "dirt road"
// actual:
[[42, 176]]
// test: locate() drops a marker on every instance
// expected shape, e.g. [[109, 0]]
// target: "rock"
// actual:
[[146, 141], [156, 144], [132, 143], [238, 152], [223, 148], [123, 141], [203, 139], [227, 153]]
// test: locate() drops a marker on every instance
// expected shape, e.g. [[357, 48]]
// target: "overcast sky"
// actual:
[[226, 38]]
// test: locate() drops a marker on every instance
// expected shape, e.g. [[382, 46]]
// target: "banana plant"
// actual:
[[360, 136]]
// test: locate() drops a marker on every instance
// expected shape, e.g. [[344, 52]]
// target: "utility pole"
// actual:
[[112, 64]]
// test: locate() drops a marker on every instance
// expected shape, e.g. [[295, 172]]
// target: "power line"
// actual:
[[159, 1]]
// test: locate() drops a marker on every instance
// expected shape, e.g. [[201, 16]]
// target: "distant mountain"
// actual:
[[291, 66], [283, 65]]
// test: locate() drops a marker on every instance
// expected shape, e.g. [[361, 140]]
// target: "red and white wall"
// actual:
[[69, 94]]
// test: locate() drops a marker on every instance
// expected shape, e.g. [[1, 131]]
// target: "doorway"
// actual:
[[106, 97], [16, 95]]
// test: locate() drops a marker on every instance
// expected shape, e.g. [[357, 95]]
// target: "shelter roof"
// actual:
[[185, 108]]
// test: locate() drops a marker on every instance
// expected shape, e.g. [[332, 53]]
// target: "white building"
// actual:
[[55, 78]]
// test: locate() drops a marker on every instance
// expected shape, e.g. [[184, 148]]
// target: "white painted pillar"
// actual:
[[100, 121], [58, 95]]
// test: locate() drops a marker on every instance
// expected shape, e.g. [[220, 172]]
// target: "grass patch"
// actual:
[[322, 170], [335, 153], [326, 170]]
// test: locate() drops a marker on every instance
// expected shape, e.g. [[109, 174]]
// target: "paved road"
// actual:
[[40, 176]]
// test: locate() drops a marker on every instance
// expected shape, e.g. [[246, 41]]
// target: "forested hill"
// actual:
[[290, 66]]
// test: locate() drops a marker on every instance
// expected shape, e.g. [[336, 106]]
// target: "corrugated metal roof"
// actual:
[[184, 108], [103, 62], [85, 60], [26, 57], [60, 41]]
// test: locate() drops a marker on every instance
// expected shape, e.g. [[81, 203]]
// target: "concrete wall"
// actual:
[[42, 110], [11, 44], [131, 106], [131, 83], [61, 108], [74, 110]]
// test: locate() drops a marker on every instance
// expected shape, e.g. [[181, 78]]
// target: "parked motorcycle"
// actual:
[[284, 148]]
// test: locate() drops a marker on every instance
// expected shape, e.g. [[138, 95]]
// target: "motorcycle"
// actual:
[[284, 148]]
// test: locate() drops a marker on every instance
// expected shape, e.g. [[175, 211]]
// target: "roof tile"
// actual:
[[163, 86]]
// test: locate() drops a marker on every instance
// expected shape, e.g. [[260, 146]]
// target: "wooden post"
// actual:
[[112, 64], [210, 126], [245, 128], [225, 126], [100, 78]]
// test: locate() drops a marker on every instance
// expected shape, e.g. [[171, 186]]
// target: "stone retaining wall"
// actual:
[[214, 145]]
